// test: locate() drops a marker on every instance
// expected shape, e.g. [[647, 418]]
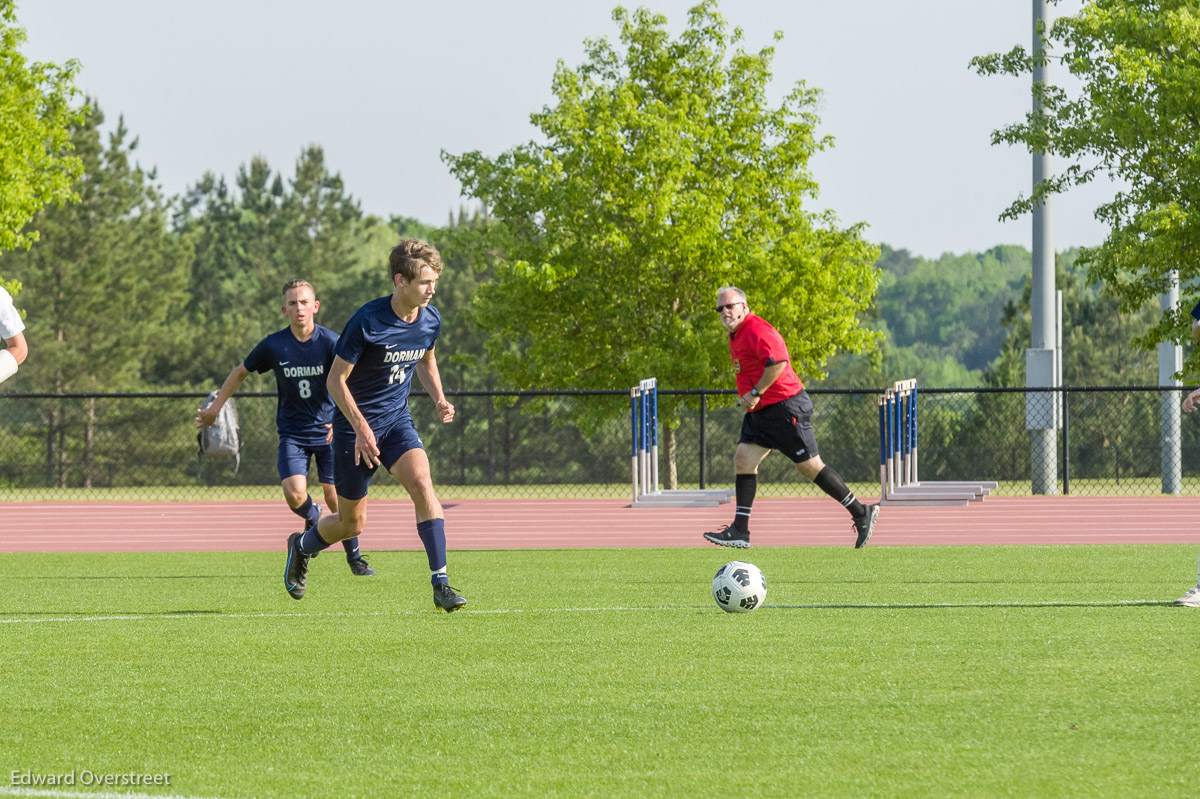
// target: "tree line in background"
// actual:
[[662, 172], [128, 290]]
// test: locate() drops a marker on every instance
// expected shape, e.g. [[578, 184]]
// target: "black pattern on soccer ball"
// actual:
[[750, 602], [741, 577], [722, 594]]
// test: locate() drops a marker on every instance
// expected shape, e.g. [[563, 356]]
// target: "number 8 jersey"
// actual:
[[304, 406], [384, 350]]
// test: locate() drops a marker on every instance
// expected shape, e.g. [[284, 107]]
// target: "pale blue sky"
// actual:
[[384, 86]]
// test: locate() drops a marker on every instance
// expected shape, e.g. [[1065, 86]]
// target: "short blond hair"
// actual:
[[295, 284]]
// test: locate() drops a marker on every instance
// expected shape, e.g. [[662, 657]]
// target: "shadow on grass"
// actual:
[[1117, 603]]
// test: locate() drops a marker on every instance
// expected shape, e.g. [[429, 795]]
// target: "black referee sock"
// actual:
[[832, 484], [745, 486]]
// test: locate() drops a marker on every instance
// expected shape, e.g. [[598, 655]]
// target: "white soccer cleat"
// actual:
[[1191, 599]]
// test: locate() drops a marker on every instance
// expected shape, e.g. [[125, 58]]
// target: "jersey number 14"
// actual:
[[399, 373]]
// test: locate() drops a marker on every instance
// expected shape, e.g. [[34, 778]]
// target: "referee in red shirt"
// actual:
[[778, 416]]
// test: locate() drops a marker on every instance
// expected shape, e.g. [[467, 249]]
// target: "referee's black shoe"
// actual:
[[864, 525], [730, 537], [447, 599], [295, 573]]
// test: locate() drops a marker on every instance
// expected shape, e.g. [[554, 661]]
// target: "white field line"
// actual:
[[617, 609], [48, 792]]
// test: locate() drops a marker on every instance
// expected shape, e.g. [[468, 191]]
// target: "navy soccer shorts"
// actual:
[[353, 479], [785, 426], [293, 459]]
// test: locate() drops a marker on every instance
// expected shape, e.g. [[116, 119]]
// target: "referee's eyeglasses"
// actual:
[[729, 306]]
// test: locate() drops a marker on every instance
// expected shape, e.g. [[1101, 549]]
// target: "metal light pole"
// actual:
[[1170, 361], [1041, 416]]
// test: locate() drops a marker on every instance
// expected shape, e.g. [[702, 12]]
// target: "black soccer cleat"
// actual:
[[447, 599], [864, 525], [295, 573], [729, 537], [359, 567]]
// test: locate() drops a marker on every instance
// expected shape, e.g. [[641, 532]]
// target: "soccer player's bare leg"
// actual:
[[331, 497], [295, 492], [353, 555], [411, 470], [348, 522]]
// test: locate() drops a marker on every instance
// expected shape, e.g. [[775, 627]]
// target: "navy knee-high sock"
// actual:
[[305, 512], [351, 547], [433, 536], [311, 542]]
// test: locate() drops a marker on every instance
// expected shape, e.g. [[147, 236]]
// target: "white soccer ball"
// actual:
[[739, 587]]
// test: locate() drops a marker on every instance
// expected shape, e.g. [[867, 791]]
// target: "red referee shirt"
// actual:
[[754, 346]]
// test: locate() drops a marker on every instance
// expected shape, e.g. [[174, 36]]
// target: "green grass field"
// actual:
[[903, 671]]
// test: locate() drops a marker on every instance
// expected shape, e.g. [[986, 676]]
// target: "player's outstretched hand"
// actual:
[[1189, 403], [206, 417], [445, 411], [366, 451]]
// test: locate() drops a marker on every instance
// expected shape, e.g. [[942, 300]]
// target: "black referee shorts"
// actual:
[[785, 426]]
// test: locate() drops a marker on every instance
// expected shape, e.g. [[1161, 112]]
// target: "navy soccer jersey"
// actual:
[[384, 350], [300, 367]]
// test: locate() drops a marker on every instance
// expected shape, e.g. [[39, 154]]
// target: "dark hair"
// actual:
[[409, 255]]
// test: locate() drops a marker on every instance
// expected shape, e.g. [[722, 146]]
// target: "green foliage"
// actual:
[[466, 365], [1135, 120], [37, 164], [253, 238], [663, 174], [940, 321], [13, 287], [1099, 336], [105, 288], [951, 303], [107, 279]]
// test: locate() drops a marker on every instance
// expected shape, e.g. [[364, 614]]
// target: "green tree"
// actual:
[[1098, 335], [1137, 120], [105, 285], [663, 173], [37, 164], [939, 321], [252, 238]]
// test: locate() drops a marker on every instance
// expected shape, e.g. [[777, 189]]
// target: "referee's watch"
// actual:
[[754, 392]]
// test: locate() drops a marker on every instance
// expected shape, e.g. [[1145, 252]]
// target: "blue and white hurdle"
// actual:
[[899, 479], [643, 414]]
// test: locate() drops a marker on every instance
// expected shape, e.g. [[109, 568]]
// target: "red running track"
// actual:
[[548, 524]]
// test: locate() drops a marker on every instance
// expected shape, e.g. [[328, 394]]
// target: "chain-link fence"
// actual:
[[1108, 441]]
